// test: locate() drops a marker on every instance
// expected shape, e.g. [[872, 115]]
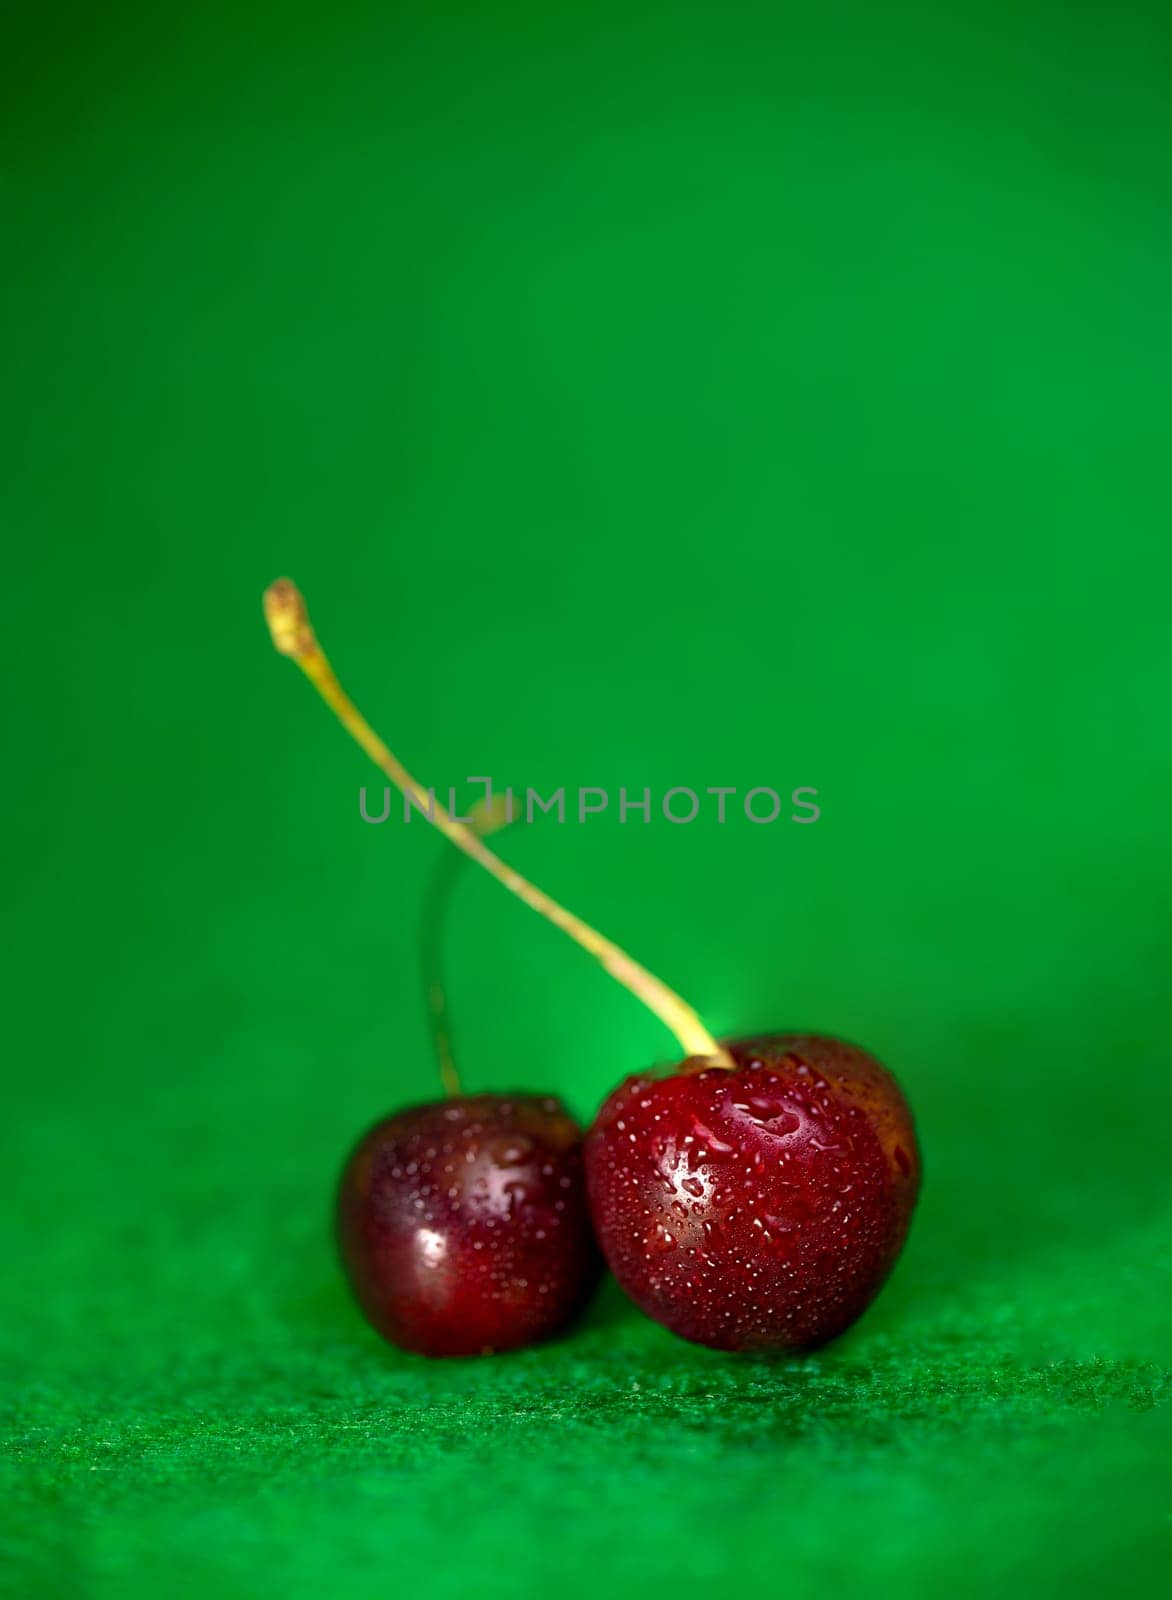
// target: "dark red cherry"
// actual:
[[758, 1209], [463, 1225]]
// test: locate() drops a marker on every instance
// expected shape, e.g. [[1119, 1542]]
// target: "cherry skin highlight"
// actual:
[[757, 1209], [463, 1225]]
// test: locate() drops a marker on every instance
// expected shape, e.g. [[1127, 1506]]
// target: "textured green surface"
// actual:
[[704, 398]]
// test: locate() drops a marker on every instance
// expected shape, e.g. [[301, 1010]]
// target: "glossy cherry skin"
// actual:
[[759, 1209], [463, 1225]]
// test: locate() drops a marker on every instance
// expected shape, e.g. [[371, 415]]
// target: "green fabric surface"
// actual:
[[642, 395]]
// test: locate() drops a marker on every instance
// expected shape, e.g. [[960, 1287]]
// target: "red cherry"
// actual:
[[757, 1209], [463, 1225]]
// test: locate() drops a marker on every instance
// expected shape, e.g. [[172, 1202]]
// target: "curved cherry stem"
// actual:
[[293, 636], [483, 820]]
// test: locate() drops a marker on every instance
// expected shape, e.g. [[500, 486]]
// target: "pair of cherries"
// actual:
[[754, 1197]]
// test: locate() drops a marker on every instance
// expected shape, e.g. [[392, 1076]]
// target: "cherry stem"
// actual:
[[483, 819], [431, 949], [293, 635]]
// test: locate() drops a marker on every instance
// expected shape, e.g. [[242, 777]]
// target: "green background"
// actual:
[[642, 395]]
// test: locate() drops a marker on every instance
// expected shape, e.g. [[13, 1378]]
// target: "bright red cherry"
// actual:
[[757, 1209], [463, 1225]]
